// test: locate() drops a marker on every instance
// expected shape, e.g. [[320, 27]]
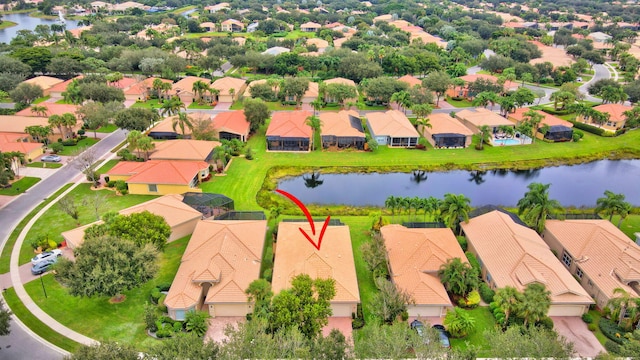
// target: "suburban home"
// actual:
[[319, 43], [310, 27], [231, 25], [222, 258], [183, 149], [56, 90], [599, 37], [142, 90], [559, 130], [208, 26], [164, 129], [184, 89], [617, 118], [475, 119], [511, 254], [446, 132], [15, 142], [230, 88], [45, 83], [232, 125], [464, 92], [342, 81], [52, 109], [288, 131], [16, 125], [426, 38], [160, 177], [414, 257], [294, 255], [598, 254], [276, 50], [392, 128], [181, 217], [217, 7], [410, 80], [342, 129]]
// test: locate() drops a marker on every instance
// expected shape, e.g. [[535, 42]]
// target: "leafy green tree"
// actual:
[[459, 322], [612, 204], [5, 320], [6, 170], [140, 228], [535, 303], [523, 96], [260, 294], [295, 88], [454, 208], [422, 112], [438, 82], [531, 342], [107, 266], [389, 302], [183, 346], [382, 88], [135, 119], [262, 91], [96, 115], [508, 299], [197, 322], [341, 92], [374, 253], [100, 92], [256, 112], [36, 57], [458, 277], [25, 93], [536, 206], [108, 350]]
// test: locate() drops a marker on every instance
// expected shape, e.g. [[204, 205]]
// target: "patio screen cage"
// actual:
[[241, 215], [278, 143], [559, 133], [448, 140], [208, 204]]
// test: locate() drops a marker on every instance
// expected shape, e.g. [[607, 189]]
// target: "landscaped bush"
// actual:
[[486, 293], [546, 323], [268, 273], [164, 286], [161, 306], [248, 154], [358, 318], [155, 295], [587, 318], [472, 300], [577, 135], [611, 330], [592, 327], [612, 347], [121, 185], [70, 142], [150, 317], [56, 147], [588, 128], [473, 261]]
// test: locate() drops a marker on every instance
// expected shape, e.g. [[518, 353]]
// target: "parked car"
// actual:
[[418, 326], [46, 255], [444, 336], [51, 158], [43, 266]]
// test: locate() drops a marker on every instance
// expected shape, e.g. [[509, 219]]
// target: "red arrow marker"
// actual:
[[309, 219]]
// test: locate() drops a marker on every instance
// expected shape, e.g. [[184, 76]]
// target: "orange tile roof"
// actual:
[[52, 109], [233, 122], [482, 116], [225, 84], [61, 87], [615, 111], [548, 119], [186, 84], [391, 123], [291, 124], [17, 124], [159, 171], [7, 137], [445, 124], [182, 149], [411, 80], [295, 255], [166, 125], [415, 256], [604, 253], [225, 253], [515, 255], [21, 147], [339, 80], [142, 87], [339, 123], [124, 83], [45, 82], [427, 38]]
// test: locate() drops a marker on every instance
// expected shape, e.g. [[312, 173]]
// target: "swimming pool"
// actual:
[[507, 142]]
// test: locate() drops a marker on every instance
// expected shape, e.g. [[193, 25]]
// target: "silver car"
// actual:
[[53, 254]]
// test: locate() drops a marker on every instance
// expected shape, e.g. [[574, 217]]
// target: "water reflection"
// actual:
[[312, 181], [418, 176], [477, 177]]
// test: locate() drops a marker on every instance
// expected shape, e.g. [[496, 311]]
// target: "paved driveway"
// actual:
[[575, 330]]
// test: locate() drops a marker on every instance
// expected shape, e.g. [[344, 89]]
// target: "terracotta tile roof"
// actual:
[[143, 86], [233, 21], [391, 123], [124, 83], [21, 147], [233, 122], [291, 124], [166, 125], [411, 80], [159, 171], [515, 255], [17, 124], [415, 256], [226, 253], [186, 84], [614, 110], [183, 149], [227, 83], [61, 87], [310, 25], [337, 43], [170, 207], [52, 109], [482, 116], [320, 43], [340, 81], [312, 91], [427, 38], [548, 119], [445, 124], [45, 82], [604, 253], [339, 123], [7, 137], [295, 255]]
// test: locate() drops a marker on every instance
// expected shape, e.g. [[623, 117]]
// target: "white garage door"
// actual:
[[566, 310], [425, 311]]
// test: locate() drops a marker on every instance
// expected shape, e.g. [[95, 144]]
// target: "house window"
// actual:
[[566, 259], [609, 123], [180, 315], [488, 278], [579, 273], [153, 188]]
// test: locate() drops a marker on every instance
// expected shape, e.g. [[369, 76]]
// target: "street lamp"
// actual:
[[43, 289]]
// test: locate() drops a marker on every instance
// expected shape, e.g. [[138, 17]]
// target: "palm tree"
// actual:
[[146, 144], [403, 99], [314, 123], [157, 86], [432, 205], [56, 121], [459, 323], [485, 98], [453, 208], [69, 121], [422, 111], [533, 118], [172, 106], [39, 110], [134, 137], [164, 88], [612, 204], [620, 304], [484, 135], [507, 299], [535, 303], [220, 154], [536, 206], [316, 104], [182, 120], [199, 88], [391, 203], [17, 159], [459, 278]]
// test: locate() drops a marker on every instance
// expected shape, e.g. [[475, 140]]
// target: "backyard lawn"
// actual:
[[149, 104], [20, 186], [80, 147]]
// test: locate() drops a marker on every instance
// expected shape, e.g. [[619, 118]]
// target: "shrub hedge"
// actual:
[[611, 330], [486, 293]]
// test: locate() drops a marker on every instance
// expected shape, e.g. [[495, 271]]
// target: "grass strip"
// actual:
[[44, 165], [20, 186]]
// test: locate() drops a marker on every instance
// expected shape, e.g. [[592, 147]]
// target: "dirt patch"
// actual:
[[117, 299]]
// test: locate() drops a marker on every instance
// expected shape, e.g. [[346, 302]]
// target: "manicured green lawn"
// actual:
[[149, 104], [363, 106], [20, 186], [82, 145], [271, 105], [630, 225], [96, 317], [55, 221], [459, 103], [108, 166], [41, 99], [195, 105], [45, 165], [63, 101], [106, 129], [484, 321], [598, 333]]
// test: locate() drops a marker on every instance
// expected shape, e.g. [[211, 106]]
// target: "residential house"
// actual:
[[392, 128], [342, 129], [51, 109], [231, 25], [512, 254], [446, 132], [599, 37], [56, 90], [598, 254], [464, 92], [222, 258], [184, 89], [410, 80], [617, 118], [232, 125], [414, 257], [334, 260], [44, 82], [342, 81], [230, 88], [476, 118], [321, 44], [310, 27], [426, 38], [558, 129], [183, 149], [180, 217], [15, 142], [276, 50], [208, 26], [309, 96], [16, 125], [217, 7], [289, 131], [143, 90], [160, 177], [164, 130], [384, 17]]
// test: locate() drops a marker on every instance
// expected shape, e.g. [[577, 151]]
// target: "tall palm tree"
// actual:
[[17, 159], [620, 303], [535, 303], [314, 123], [422, 111], [157, 86], [453, 208], [403, 99], [391, 203], [536, 206], [508, 299], [134, 137], [316, 104], [39, 110], [69, 121], [182, 121], [484, 134], [533, 118], [164, 88], [432, 205], [146, 144], [459, 278], [199, 88], [172, 106], [56, 121], [612, 204]]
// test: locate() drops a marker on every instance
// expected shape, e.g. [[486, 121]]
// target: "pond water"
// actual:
[[26, 22], [577, 185]]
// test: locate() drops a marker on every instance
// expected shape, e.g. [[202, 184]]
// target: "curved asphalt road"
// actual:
[[22, 343]]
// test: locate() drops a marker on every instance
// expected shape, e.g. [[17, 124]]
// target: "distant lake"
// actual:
[[576, 185], [26, 22]]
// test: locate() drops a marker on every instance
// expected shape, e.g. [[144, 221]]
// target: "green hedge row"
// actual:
[[612, 331]]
